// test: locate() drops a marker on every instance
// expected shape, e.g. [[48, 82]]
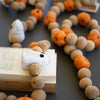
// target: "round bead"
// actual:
[[15, 6], [22, 6], [32, 2], [65, 26], [54, 30], [35, 69], [85, 2], [37, 48], [84, 72], [38, 95], [61, 6], [90, 45], [56, 9], [3, 96], [40, 5], [37, 82], [92, 92], [96, 27], [44, 1], [76, 53], [52, 12], [24, 26], [78, 4], [84, 82], [32, 18], [67, 21], [16, 45], [69, 48], [81, 42], [94, 30], [93, 22], [8, 2], [11, 97], [71, 39], [73, 19], [53, 25]]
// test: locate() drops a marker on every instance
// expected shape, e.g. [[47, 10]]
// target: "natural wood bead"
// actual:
[[37, 48], [16, 45], [76, 53], [94, 30], [65, 26], [69, 48], [15, 6], [90, 45], [54, 30], [84, 82], [40, 5], [52, 12], [61, 6], [3, 96], [16, 38], [35, 69], [71, 39], [73, 19], [93, 22], [85, 2], [78, 4], [67, 21], [83, 73], [92, 2], [32, 2], [8, 2], [38, 95], [92, 92], [24, 26], [56, 9], [32, 18], [81, 42], [96, 27], [53, 25], [11, 97], [22, 6], [37, 82], [44, 1]]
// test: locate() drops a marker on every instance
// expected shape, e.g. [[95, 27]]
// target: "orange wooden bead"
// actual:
[[25, 98], [25, 1], [69, 5], [58, 37], [49, 18], [33, 44], [95, 37], [83, 18], [37, 13], [81, 62]]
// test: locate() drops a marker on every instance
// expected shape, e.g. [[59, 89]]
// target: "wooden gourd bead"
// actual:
[[16, 45], [44, 1], [92, 92], [75, 53], [90, 45], [53, 25], [69, 48], [8, 2], [84, 82], [3, 96], [96, 27], [83, 73], [67, 21], [25, 26], [11, 97], [65, 26], [40, 5], [37, 48], [38, 95], [94, 30], [32, 18], [61, 6], [78, 4], [37, 82], [22, 6], [35, 69], [81, 42], [71, 39], [93, 22], [52, 12]]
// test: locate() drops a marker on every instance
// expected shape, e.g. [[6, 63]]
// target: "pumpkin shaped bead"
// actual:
[[11, 97], [54, 30], [3, 96], [69, 48], [90, 45], [44, 1], [22, 6], [61, 6], [37, 82], [53, 25], [35, 69], [24, 1], [73, 19], [94, 30], [96, 27], [95, 37], [33, 44], [25, 98], [16, 45], [37, 48], [75, 53], [93, 22], [49, 19], [67, 21], [25, 26], [8, 2], [65, 26], [40, 5], [78, 4], [81, 62], [71, 38], [32, 18], [37, 13], [38, 95], [52, 12], [92, 92], [58, 37], [69, 5], [15, 6], [83, 18], [83, 73]]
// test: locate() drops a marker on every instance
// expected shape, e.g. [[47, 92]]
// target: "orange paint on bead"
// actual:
[[25, 1], [25, 98], [33, 44]]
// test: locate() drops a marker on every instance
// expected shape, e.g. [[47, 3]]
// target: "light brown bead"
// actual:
[[85, 2], [81, 42], [16, 45], [32, 18], [3, 96], [53, 25], [40, 5], [37, 82], [65, 26], [90, 45], [92, 92], [76, 53], [15, 6], [22, 6], [16, 38], [67, 21], [94, 30], [84, 82], [93, 22], [52, 12], [37, 48], [24, 26], [11, 97], [35, 69], [38, 95], [8, 2], [44, 1], [61, 6], [96, 27], [73, 19], [71, 38], [78, 4], [54, 30], [83, 73], [69, 48]]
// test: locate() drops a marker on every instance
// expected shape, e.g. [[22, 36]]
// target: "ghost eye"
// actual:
[[41, 55]]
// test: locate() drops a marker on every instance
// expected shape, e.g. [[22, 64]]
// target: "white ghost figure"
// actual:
[[17, 28], [30, 57], [3, 2]]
